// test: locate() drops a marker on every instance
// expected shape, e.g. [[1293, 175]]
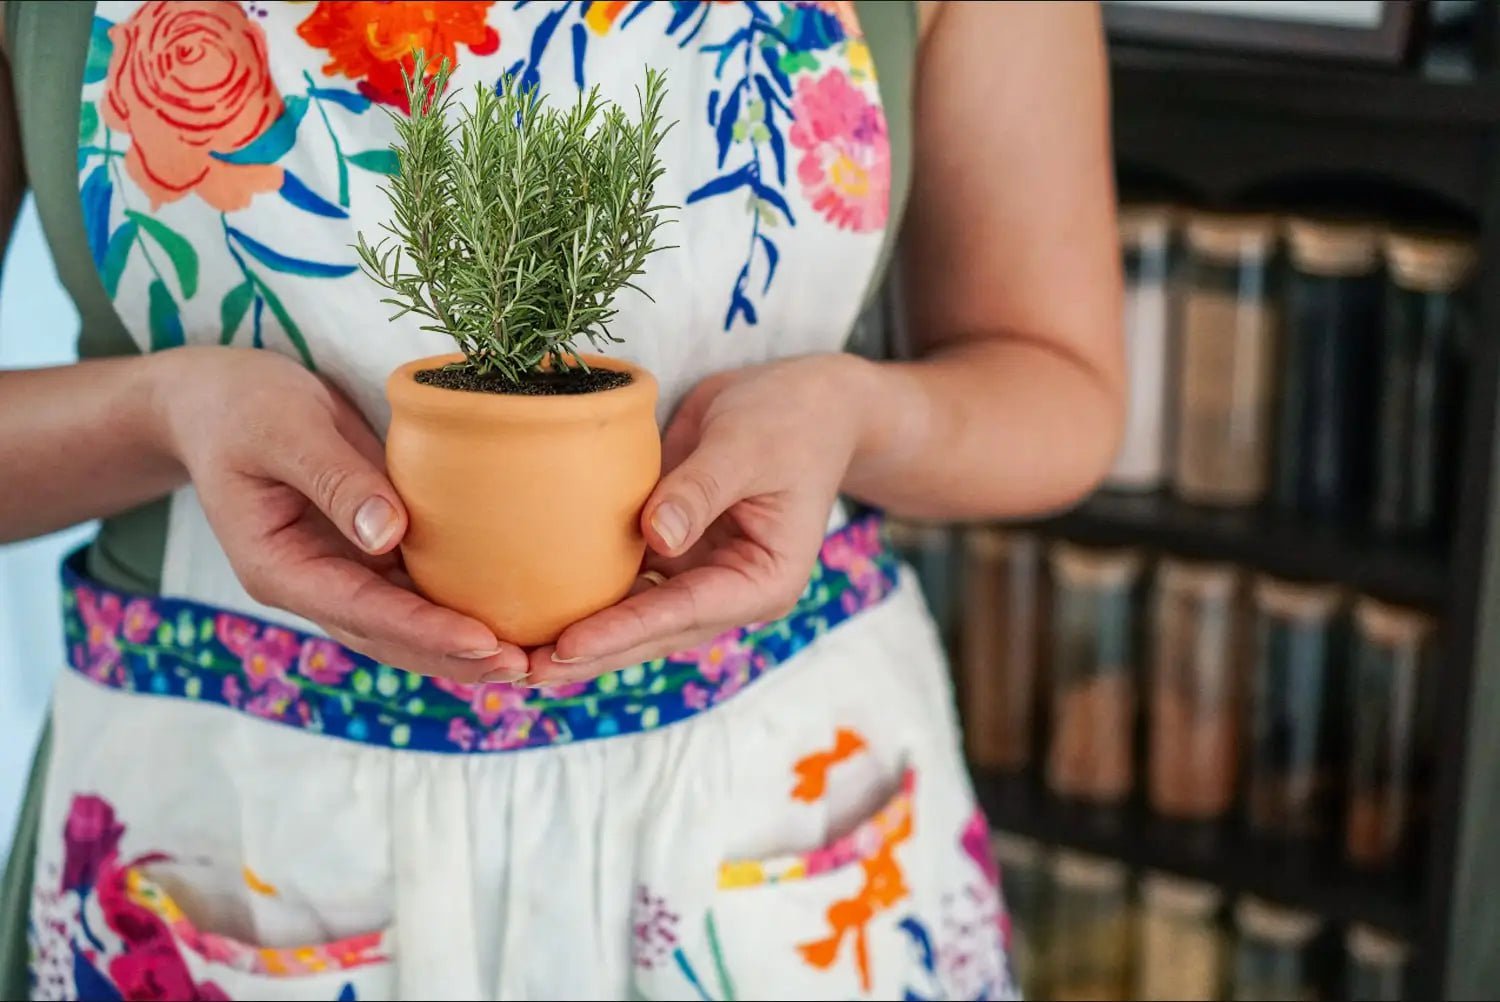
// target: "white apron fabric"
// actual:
[[814, 837]]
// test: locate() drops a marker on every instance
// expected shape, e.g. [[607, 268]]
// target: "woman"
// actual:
[[242, 799]]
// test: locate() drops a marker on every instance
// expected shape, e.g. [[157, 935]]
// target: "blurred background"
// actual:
[[1231, 716]]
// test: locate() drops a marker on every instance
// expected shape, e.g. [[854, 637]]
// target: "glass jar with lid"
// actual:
[[1026, 882], [1090, 960], [1146, 245], [1374, 965], [1181, 950], [1273, 956]]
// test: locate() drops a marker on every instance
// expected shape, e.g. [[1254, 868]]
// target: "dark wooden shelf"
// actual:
[[1224, 855], [1403, 572]]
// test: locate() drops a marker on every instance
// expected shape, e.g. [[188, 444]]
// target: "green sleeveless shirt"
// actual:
[[47, 44]]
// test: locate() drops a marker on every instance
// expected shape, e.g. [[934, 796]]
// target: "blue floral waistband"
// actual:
[[175, 647]]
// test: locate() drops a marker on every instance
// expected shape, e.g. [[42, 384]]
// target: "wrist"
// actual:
[[165, 384], [874, 397]]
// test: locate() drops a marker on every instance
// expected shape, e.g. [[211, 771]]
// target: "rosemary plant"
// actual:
[[515, 224]]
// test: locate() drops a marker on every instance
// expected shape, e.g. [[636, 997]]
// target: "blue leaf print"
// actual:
[[346, 993], [88, 983], [773, 257], [726, 49], [116, 255], [350, 99], [304, 198], [778, 150], [768, 194], [722, 184], [713, 107], [290, 265], [580, 49], [724, 132], [101, 48], [527, 68], [165, 320], [272, 144], [96, 195]]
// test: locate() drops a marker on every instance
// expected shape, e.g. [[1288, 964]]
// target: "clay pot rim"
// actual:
[[467, 406]]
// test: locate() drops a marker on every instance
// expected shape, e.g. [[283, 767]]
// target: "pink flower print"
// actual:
[[101, 617], [845, 167], [324, 661], [491, 700], [90, 835], [140, 619], [564, 690], [976, 842], [275, 698], [233, 694], [460, 733], [653, 929], [234, 632], [726, 654], [695, 696], [463, 690], [851, 551], [268, 657]]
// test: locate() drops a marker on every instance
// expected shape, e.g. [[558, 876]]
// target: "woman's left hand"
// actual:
[[755, 459]]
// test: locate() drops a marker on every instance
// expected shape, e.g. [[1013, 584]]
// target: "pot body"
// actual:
[[524, 511]]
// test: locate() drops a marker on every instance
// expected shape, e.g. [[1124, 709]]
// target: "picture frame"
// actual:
[[1366, 31]]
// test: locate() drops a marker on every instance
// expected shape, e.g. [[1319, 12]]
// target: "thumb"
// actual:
[[691, 496], [347, 487]]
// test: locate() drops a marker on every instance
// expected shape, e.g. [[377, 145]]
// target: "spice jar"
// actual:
[[1327, 368], [929, 549], [1291, 730], [1193, 744], [1146, 240], [1092, 674], [1026, 884], [1181, 953], [1002, 638], [1374, 965], [1421, 383], [1091, 927], [1227, 348], [1271, 961], [1391, 645]]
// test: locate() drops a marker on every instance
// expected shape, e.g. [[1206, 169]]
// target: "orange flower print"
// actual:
[[187, 80], [812, 770], [370, 40]]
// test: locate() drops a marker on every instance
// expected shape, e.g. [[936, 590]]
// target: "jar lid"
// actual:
[[1333, 247], [1083, 565], [1077, 869], [916, 534], [1015, 850], [1284, 926], [1392, 624], [1145, 223], [1430, 262], [1194, 898], [1295, 599], [1375, 947], [1229, 237], [1209, 580]]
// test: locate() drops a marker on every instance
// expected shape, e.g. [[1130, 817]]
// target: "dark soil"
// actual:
[[541, 384]]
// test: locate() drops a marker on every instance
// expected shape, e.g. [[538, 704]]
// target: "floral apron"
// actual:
[[237, 807]]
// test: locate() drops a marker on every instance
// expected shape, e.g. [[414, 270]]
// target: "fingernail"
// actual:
[[670, 523], [374, 523], [653, 577], [509, 675], [477, 655], [568, 661]]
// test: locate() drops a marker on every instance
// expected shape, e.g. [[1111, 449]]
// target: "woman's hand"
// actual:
[[755, 460], [293, 482]]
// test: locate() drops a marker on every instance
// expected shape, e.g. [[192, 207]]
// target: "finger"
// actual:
[[345, 597], [694, 493], [346, 484], [544, 670], [710, 598], [494, 669]]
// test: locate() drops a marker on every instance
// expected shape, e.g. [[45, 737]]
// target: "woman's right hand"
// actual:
[[293, 482]]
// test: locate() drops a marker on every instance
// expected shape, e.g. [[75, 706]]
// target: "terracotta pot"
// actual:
[[525, 511]]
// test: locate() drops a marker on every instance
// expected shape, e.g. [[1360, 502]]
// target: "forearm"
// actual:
[[983, 428], [79, 442]]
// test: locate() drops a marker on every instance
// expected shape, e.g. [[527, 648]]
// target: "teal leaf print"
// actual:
[[101, 48], [115, 256], [294, 335], [272, 144], [376, 161], [232, 310], [184, 258], [96, 195], [726, 986], [349, 99], [88, 122], [166, 321], [304, 198], [278, 261]]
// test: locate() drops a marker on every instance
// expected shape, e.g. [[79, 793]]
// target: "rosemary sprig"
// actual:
[[513, 224]]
